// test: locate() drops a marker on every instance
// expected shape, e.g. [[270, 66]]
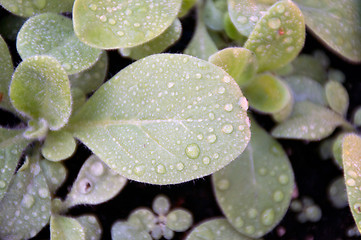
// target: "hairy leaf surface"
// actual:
[[6, 71], [337, 97], [65, 228]]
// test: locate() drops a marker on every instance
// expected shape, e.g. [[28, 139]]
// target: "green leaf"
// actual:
[[25, 208], [62, 228], [309, 122], [10, 26], [164, 120], [351, 152], [337, 149], [306, 89], [122, 24], [267, 93], [336, 23], [55, 174], [91, 79], [337, 193], [356, 118], [240, 63], [337, 97], [246, 13], [122, 230], [336, 75], [156, 45], [161, 205], [96, 183], [215, 229], [179, 220], [257, 206], [52, 34], [285, 112], [27, 8], [12, 144], [309, 66], [40, 90], [187, 5], [278, 36], [91, 227], [143, 219], [37, 129], [78, 98], [6, 71], [201, 44], [231, 30], [212, 15], [58, 146]]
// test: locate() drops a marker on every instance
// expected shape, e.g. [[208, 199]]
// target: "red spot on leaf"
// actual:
[[1, 96], [281, 31]]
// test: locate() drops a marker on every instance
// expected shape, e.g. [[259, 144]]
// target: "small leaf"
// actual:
[[27, 8], [164, 120], [6, 71], [10, 26], [40, 89], [212, 15], [55, 174], [337, 97], [25, 208], [52, 34], [285, 112], [337, 149], [246, 13], [179, 220], [156, 45], [336, 75], [256, 207], [231, 30], [92, 78], [267, 93], [143, 219], [122, 230], [122, 24], [62, 228], [356, 118], [58, 146], [96, 183], [240, 63], [91, 227], [351, 152], [278, 36], [306, 89], [336, 23], [309, 66], [187, 5], [337, 193], [309, 122], [161, 205], [215, 229]]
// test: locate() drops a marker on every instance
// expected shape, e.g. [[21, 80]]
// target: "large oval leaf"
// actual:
[[27, 8], [278, 36], [52, 34], [309, 66], [62, 228], [257, 205], [6, 71], [122, 24], [337, 97], [165, 119], [58, 145], [40, 89], [337, 23]]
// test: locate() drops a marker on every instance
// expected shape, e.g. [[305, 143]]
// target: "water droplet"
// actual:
[[120, 33], [43, 192], [243, 103], [103, 18], [66, 66], [180, 166], [170, 84], [112, 21], [206, 160], [136, 24], [211, 138], [200, 136], [2, 184], [192, 150], [268, 217], [84, 186], [281, 8], [93, 7], [350, 182], [27, 201], [226, 79], [283, 179], [221, 90], [290, 48], [216, 156], [228, 107], [253, 18], [242, 19], [278, 196], [223, 184], [228, 128], [352, 174], [139, 170], [249, 229], [198, 76], [161, 169], [97, 169], [39, 4], [274, 23], [185, 60], [239, 222], [252, 213], [128, 12], [211, 116], [357, 207]]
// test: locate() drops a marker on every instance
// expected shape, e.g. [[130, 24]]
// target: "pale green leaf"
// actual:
[[165, 119], [179, 220], [58, 146], [6, 71], [161, 205], [278, 36], [156, 45], [212, 16], [356, 118], [52, 34], [231, 30], [337, 193], [27, 8], [336, 23], [92, 78], [40, 89], [12, 144], [186, 7], [337, 97], [240, 63], [96, 183], [309, 66], [78, 98], [122, 24], [64, 228], [215, 229], [336, 75], [285, 112], [246, 13], [91, 227], [351, 152], [143, 219], [322, 57], [25, 208], [267, 93], [10, 26], [37, 129], [257, 206], [284, 71], [55, 174], [309, 122], [306, 89], [122, 230], [337, 149]]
